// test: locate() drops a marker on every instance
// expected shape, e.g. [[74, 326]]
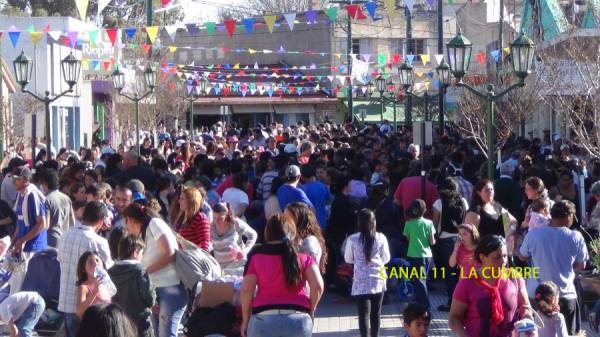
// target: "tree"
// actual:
[[264, 7]]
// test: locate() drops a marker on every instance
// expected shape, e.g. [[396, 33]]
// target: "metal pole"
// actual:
[[48, 140], [137, 125], [191, 120], [408, 112], [395, 120], [382, 108], [500, 42], [440, 50], [423, 140], [33, 136], [490, 129], [349, 59]]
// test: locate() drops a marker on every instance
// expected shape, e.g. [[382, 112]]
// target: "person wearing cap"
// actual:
[[8, 192], [232, 146], [289, 192], [557, 252], [31, 233]]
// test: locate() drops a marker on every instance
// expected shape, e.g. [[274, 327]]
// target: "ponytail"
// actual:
[[141, 214], [366, 227], [280, 228]]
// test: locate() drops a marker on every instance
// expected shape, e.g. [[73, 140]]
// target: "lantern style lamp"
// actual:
[[150, 77], [23, 69], [521, 52], [118, 78], [381, 84], [71, 68], [406, 75], [459, 55], [443, 73]]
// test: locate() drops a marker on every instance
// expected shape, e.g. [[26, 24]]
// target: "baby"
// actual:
[[540, 214]]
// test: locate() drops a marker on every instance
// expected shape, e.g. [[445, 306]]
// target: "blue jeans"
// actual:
[[172, 301], [445, 248], [30, 317], [281, 325], [420, 283], [71, 324]]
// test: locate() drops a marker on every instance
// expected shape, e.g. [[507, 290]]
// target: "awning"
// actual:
[[252, 108], [294, 108], [207, 110]]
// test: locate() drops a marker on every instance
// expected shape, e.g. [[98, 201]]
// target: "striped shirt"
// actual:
[[224, 246], [197, 230], [264, 187]]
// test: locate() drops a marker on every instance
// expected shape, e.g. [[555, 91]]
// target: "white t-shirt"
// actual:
[[553, 326], [236, 198], [166, 276], [437, 205], [14, 305]]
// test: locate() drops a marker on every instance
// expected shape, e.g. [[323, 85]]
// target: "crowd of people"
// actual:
[[287, 211]]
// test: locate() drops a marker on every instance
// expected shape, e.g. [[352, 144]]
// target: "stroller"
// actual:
[[43, 277]]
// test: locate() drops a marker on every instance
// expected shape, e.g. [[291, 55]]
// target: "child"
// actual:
[[420, 234], [93, 284], [78, 207], [134, 292], [416, 320], [546, 299], [464, 249], [369, 252], [540, 214]]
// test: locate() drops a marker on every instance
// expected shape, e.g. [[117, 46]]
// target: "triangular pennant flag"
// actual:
[[410, 58], [251, 51], [72, 38], [255, 65], [92, 36], [371, 7], [112, 35], [290, 18], [14, 38], [172, 49], [495, 54], [249, 25], [396, 58], [382, 59], [30, 29], [270, 21], [425, 59], [430, 74], [480, 58], [507, 50], [130, 32], [85, 64], [409, 5], [355, 12], [171, 31], [230, 26], [338, 55], [82, 6], [342, 79], [35, 37], [281, 50], [419, 74], [390, 6], [366, 57], [332, 13], [146, 48], [311, 17], [55, 34], [267, 51], [101, 5], [152, 31], [439, 58], [210, 27], [106, 65], [46, 29], [430, 2], [191, 28], [164, 3], [94, 64]]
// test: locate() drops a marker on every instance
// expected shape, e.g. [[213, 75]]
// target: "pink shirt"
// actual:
[[466, 260], [272, 292], [409, 189], [479, 314]]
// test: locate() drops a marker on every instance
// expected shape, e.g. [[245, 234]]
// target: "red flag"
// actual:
[[480, 58], [47, 29], [112, 35], [106, 65], [355, 12], [164, 3], [226, 91], [230, 26], [146, 48], [396, 58]]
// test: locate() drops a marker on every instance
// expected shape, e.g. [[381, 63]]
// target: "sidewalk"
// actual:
[[336, 319]]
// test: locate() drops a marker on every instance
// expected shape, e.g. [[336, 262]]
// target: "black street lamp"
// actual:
[[192, 90], [71, 68], [445, 77], [380, 83], [150, 80], [459, 56]]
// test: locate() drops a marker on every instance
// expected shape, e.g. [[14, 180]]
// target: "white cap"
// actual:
[[179, 142]]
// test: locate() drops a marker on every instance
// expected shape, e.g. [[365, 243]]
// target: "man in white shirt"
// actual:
[[77, 240]]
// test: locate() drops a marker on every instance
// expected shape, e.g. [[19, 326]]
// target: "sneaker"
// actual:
[[444, 308]]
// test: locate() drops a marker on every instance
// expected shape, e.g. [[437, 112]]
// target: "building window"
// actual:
[[415, 47], [183, 56], [396, 46], [355, 46]]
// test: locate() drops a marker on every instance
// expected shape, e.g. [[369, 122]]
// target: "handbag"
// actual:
[[194, 264]]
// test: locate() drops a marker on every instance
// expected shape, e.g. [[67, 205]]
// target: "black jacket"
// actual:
[[134, 294]]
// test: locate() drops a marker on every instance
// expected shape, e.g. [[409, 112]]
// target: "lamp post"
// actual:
[[192, 90], [459, 55], [381, 86], [71, 68], [150, 80], [444, 75]]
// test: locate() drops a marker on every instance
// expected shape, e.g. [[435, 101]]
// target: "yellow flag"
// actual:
[[82, 6], [426, 85], [251, 51], [507, 50], [85, 64], [36, 37], [172, 49], [425, 59], [338, 55], [270, 21], [390, 5], [419, 74], [152, 31], [236, 66]]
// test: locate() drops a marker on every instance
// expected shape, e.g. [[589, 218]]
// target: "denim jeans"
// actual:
[[282, 325], [445, 248], [30, 317], [71, 324], [172, 301], [420, 283]]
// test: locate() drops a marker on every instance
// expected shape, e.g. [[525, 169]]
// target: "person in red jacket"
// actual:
[[191, 223]]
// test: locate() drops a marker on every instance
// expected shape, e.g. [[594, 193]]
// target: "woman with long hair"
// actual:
[[310, 237], [368, 250], [106, 320], [190, 222], [487, 214], [227, 234], [159, 262], [277, 273], [186, 155], [534, 190]]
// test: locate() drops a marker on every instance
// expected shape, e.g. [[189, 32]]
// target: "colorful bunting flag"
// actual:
[[249, 25], [480, 58], [172, 49], [410, 58], [311, 17], [191, 28], [396, 58], [290, 18], [371, 7], [101, 5], [35, 37], [430, 2], [146, 48], [230, 26], [210, 28], [495, 54], [55, 34], [409, 4], [270, 21], [390, 6], [425, 59], [439, 58], [355, 12], [106, 65], [382, 59], [112, 35], [46, 29], [152, 31], [332, 13], [82, 6], [92, 37], [172, 32], [72, 38], [14, 38], [507, 50]]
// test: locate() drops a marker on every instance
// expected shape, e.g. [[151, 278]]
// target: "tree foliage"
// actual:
[[264, 7]]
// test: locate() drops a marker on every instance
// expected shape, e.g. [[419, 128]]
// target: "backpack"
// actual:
[[207, 321], [194, 264]]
